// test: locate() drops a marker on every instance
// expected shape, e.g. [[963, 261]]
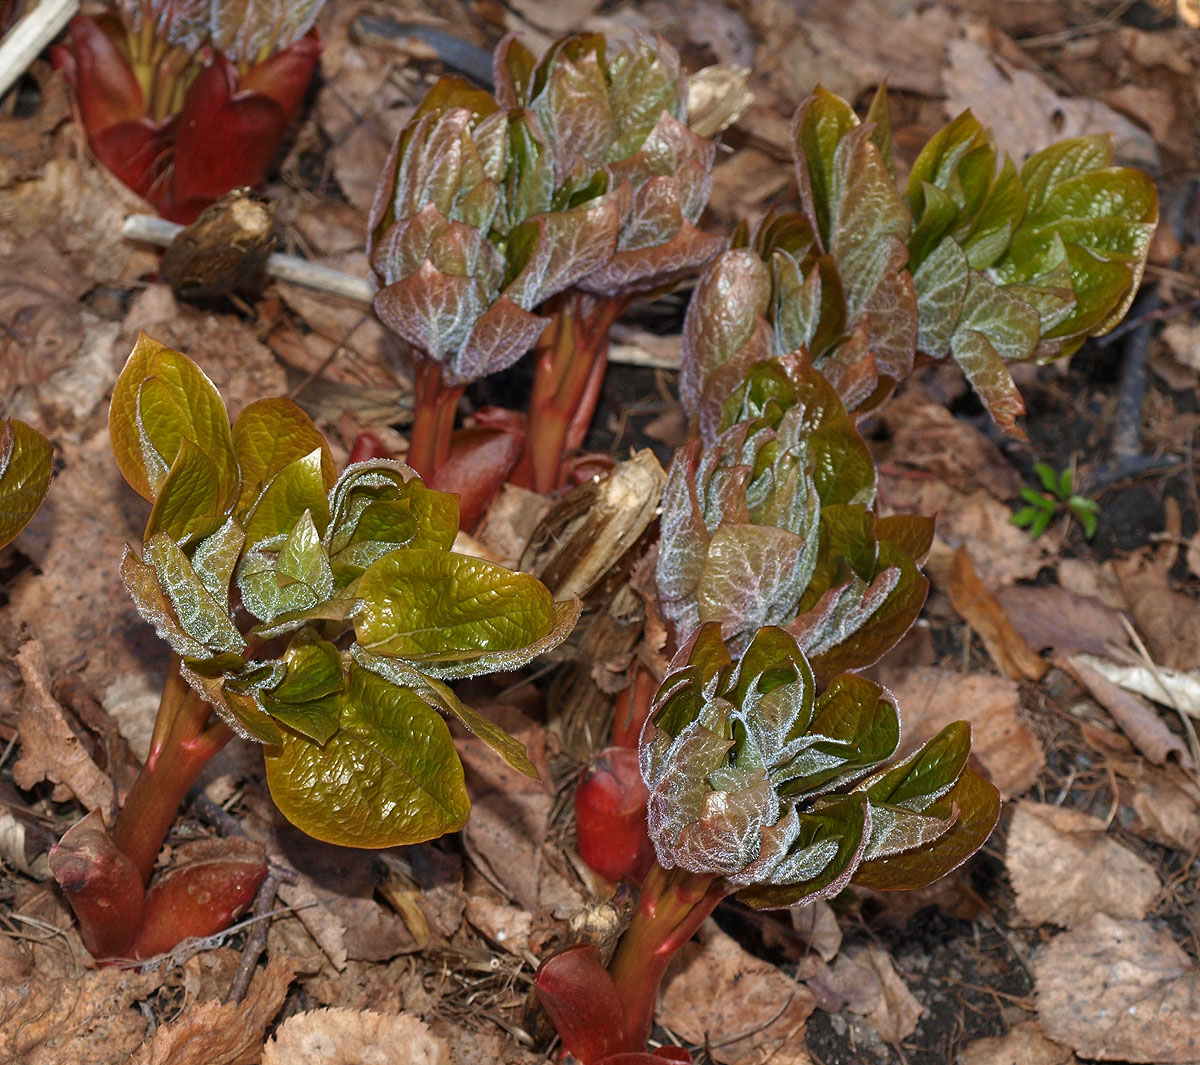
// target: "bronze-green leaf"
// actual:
[[267, 436], [442, 697], [161, 397], [26, 465], [978, 803], [388, 777], [434, 605]]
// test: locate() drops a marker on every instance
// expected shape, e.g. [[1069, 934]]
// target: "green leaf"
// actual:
[[1086, 518], [269, 435], [831, 838], [307, 699], [927, 774], [1041, 523], [820, 124], [279, 579], [388, 777], [978, 803], [1047, 476], [432, 605], [26, 466], [854, 729], [189, 499], [1025, 517], [297, 488], [414, 516], [161, 398], [441, 696]]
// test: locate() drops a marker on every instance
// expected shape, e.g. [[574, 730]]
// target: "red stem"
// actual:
[[568, 375], [672, 907], [433, 417], [184, 741]]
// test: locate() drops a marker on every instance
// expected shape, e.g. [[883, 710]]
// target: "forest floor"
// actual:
[[1073, 935]]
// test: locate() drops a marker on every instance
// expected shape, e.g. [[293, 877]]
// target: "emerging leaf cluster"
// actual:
[[780, 788], [319, 614], [768, 520], [974, 260], [26, 465], [580, 170]]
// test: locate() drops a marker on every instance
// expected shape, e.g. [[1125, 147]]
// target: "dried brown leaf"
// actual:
[[354, 1037], [1167, 804], [765, 1018], [1064, 868], [929, 699], [1022, 1045], [1168, 620], [1134, 715], [1120, 991], [981, 611], [1052, 617], [864, 980], [221, 1033], [50, 748], [1025, 114], [88, 1017]]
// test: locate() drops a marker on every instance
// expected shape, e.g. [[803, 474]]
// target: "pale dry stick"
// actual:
[[150, 229], [29, 35]]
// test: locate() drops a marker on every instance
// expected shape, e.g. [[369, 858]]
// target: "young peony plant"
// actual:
[[764, 758], [765, 786], [533, 217], [186, 99], [319, 615]]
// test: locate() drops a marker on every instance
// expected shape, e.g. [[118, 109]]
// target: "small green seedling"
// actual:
[[1059, 495]]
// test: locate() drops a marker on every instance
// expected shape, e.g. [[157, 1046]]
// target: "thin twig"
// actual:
[[256, 941]]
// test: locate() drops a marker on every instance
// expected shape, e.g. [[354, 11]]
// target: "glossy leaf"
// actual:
[[160, 399], [269, 435], [189, 500], [297, 488], [388, 777], [287, 576], [979, 804], [429, 605], [26, 466], [442, 697]]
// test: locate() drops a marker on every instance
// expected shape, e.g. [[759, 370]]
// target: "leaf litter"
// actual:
[[1119, 822]]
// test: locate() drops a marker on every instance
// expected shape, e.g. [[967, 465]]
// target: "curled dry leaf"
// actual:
[[1120, 991], [354, 1037], [1134, 716], [764, 1019], [220, 1033], [50, 748], [979, 609], [1064, 868]]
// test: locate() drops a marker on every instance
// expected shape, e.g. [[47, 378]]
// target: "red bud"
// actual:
[[610, 817]]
